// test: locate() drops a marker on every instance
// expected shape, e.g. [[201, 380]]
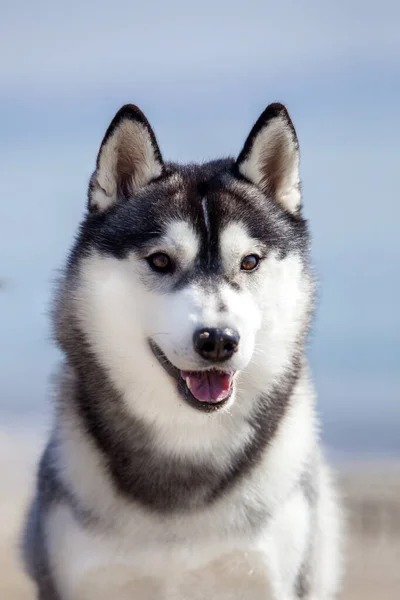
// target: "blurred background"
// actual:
[[202, 73]]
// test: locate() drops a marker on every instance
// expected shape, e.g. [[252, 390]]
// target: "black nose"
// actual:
[[216, 344]]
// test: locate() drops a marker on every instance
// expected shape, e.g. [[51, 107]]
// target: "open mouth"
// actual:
[[206, 390]]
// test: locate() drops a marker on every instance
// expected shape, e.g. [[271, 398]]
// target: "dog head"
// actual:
[[191, 282]]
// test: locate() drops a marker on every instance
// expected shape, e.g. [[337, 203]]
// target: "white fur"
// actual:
[[182, 241]]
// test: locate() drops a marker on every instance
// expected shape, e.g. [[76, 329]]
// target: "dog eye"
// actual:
[[160, 262], [250, 262]]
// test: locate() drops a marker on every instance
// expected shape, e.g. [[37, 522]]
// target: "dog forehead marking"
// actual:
[[206, 215], [207, 224]]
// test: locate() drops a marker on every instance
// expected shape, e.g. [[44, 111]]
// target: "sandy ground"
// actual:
[[373, 504]]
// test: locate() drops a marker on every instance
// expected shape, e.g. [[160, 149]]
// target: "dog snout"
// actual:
[[216, 344]]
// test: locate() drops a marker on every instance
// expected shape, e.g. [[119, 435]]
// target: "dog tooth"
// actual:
[[188, 382]]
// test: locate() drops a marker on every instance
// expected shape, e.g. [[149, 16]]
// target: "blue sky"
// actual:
[[203, 73]]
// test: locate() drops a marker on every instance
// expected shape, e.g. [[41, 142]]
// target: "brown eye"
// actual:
[[160, 262], [250, 262]]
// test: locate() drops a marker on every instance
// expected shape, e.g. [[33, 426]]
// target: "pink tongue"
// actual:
[[208, 386]]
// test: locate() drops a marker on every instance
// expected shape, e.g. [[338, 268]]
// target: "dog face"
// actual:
[[193, 277]]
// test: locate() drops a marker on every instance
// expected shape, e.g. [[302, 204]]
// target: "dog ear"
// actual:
[[129, 158], [270, 158]]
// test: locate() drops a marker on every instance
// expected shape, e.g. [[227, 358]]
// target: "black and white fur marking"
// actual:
[[150, 488]]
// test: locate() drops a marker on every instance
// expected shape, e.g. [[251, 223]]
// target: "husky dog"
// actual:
[[184, 460]]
